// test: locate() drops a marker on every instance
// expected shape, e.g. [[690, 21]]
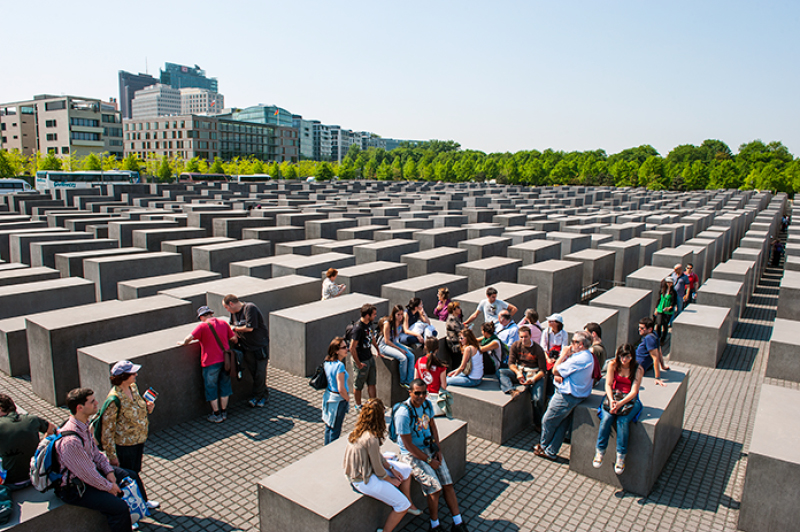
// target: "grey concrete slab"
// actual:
[[522, 296], [14, 347], [669, 257], [784, 356], [392, 234], [71, 264], [558, 281], [313, 266], [151, 239], [441, 260], [8, 266], [150, 286], [44, 253], [486, 246], [740, 271], [290, 497], [106, 272], [339, 246], [769, 494], [489, 271], [649, 278], [123, 230], [20, 244], [369, 278], [700, 334], [651, 440], [440, 237], [233, 227], [570, 242], [55, 336], [385, 250], [632, 304], [425, 287], [489, 413], [364, 232], [27, 275], [299, 336], [185, 246], [719, 293], [205, 219], [301, 247], [789, 297], [626, 260], [276, 235], [218, 257], [577, 316], [327, 228], [534, 251], [196, 294], [478, 230], [261, 268], [33, 511], [520, 237], [40, 296], [598, 266]]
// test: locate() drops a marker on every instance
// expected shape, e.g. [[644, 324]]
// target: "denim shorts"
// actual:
[[217, 382]]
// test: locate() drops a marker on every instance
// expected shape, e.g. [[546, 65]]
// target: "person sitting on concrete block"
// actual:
[[416, 325], [453, 327], [19, 437], [527, 368], [622, 407], [470, 371], [213, 343], [419, 444], [572, 374], [554, 339], [531, 321], [329, 287], [491, 307], [598, 350], [249, 325], [441, 311], [433, 371], [495, 352], [389, 329], [648, 352], [506, 329]]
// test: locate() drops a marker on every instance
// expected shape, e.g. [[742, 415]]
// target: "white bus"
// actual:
[[47, 180], [12, 185], [253, 177]]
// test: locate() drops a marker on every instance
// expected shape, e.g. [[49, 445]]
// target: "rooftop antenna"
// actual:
[[146, 71]]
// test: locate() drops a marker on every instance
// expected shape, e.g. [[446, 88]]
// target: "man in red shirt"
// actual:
[[694, 282], [216, 380]]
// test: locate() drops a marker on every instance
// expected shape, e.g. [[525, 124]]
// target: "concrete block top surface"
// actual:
[[650, 273], [435, 253], [553, 265], [703, 316], [505, 291], [68, 317], [320, 309], [39, 286], [718, 286], [490, 262], [232, 244], [589, 254], [303, 260], [777, 430], [382, 244], [219, 285], [785, 332], [130, 257], [205, 241], [431, 279], [577, 316], [140, 345], [165, 279], [369, 267], [244, 286], [791, 279], [621, 296]]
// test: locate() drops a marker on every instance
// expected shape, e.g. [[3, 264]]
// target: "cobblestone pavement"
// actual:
[[206, 474]]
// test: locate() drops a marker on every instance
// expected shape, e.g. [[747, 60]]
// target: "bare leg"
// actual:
[[372, 392], [433, 505], [357, 395], [214, 405], [450, 499], [393, 520], [224, 402], [405, 487]]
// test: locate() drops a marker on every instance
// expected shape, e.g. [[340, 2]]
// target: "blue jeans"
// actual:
[[462, 380], [402, 355], [678, 310], [216, 382], [408, 340], [332, 433], [508, 381], [557, 420], [607, 421]]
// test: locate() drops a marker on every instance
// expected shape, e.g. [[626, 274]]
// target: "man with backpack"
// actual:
[[249, 324], [362, 340], [87, 478], [414, 429]]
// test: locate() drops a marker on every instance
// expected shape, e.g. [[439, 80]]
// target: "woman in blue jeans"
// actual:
[[389, 329], [623, 378], [470, 372], [336, 399]]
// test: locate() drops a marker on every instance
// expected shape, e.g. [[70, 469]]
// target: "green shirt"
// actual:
[[19, 437], [667, 300]]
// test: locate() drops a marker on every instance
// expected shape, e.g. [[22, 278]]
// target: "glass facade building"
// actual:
[[128, 85], [180, 77]]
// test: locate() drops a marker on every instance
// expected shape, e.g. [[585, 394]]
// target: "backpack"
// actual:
[[96, 424], [45, 469], [412, 413], [348, 331]]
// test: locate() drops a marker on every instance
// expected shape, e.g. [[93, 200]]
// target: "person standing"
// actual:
[[249, 324], [336, 399], [19, 437], [694, 283], [214, 336], [361, 346], [87, 478], [124, 420], [680, 282], [648, 352]]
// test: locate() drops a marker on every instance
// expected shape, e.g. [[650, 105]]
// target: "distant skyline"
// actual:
[[505, 76]]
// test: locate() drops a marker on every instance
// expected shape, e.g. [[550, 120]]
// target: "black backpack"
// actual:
[[426, 406]]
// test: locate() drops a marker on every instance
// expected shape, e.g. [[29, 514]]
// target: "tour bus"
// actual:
[[48, 180], [12, 185], [190, 177], [253, 177]]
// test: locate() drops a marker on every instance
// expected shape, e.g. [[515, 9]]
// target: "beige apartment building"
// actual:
[[62, 125]]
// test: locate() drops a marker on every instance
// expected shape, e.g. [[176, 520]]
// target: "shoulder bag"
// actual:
[[228, 357]]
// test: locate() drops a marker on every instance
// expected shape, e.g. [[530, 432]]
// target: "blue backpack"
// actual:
[[45, 469], [426, 409]]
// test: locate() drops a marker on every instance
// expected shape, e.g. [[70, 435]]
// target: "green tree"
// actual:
[[217, 167], [625, 173], [384, 171], [6, 169], [724, 175], [164, 170], [92, 163], [258, 167], [410, 169], [288, 170], [192, 166], [131, 162], [324, 172], [695, 175], [397, 169], [50, 162], [652, 175]]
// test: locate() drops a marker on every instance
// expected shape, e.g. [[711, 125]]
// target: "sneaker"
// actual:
[[135, 526], [252, 402], [223, 415], [539, 451], [358, 409], [405, 385], [619, 466], [261, 403], [461, 527], [152, 505], [214, 418], [598, 459]]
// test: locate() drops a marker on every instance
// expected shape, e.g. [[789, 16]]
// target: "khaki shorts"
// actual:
[[368, 374]]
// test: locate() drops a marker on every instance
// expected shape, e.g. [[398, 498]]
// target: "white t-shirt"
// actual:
[[491, 311], [551, 339]]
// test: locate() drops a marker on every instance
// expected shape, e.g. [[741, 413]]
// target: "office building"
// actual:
[[305, 132], [128, 85], [322, 141], [183, 77], [201, 101], [264, 114], [62, 125], [156, 100]]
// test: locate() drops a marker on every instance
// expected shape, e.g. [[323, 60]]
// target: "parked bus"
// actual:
[[190, 177], [253, 177], [11, 185], [47, 180]]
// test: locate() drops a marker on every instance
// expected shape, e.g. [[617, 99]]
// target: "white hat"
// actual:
[[556, 317]]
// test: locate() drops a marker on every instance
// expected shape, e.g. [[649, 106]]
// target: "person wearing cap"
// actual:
[[216, 381], [491, 307], [124, 419], [554, 339]]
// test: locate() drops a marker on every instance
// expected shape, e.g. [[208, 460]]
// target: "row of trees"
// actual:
[[711, 165]]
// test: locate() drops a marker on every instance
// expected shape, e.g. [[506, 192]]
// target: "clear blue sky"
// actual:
[[494, 76]]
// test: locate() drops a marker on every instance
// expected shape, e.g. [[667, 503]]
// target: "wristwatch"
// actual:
[[430, 459]]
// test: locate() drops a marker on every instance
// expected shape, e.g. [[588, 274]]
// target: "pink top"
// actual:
[[441, 310], [210, 352]]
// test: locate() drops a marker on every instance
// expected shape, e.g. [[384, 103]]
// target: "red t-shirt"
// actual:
[[432, 377], [210, 352]]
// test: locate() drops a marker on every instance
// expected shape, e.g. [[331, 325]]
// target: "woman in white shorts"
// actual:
[[373, 474]]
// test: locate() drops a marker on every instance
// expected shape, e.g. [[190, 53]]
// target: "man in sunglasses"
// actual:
[[418, 439], [572, 374]]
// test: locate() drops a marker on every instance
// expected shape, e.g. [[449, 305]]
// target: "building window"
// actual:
[[110, 119], [49, 123], [79, 135], [55, 106], [84, 122], [65, 149], [51, 137]]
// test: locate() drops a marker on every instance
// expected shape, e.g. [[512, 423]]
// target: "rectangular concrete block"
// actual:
[[558, 281], [151, 239], [41, 296], [522, 296], [386, 250], [700, 334], [651, 439], [425, 287], [233, 227], [632, 304], [784, 356], [122, 231], [489, 413], [14, 347], [440, 237], [534, 251], [489, 271], [439, 260], [371, 277], [789, 296], [649, 278], [276, 235], [184, 247], [150, 286], [106, 272], [218, 257], [313, 266], [598, 267], [327, 228], [44, 253], [301, 247], [486, 246], [27, 275], [719, 293], [577, 316], [626, 260], [55, 336], [300, 335], [20, 244]]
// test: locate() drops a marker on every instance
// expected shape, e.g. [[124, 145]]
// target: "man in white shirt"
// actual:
[[491, 307]]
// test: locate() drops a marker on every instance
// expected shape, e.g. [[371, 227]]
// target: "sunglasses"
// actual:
[[342, 347], [420, 393]]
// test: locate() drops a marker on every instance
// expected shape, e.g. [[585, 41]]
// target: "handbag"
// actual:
[[133, 498], [229, 359], [319, 381], [618, 396], [467, 367]]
